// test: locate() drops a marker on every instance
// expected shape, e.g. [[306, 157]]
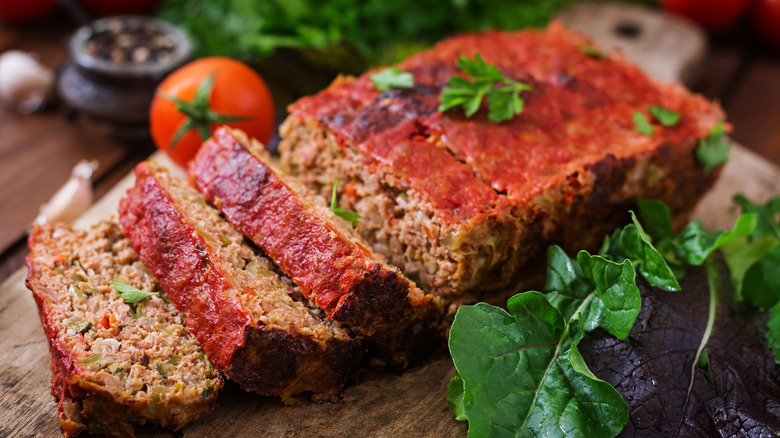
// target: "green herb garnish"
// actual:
[[131, 294], [503, 94], [714, 150], [666, 117], [392, 78], [641, 124], [340, 212], [592, 51]]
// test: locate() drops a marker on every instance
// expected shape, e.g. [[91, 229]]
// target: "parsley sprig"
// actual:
[[339, 211], [503, 94]]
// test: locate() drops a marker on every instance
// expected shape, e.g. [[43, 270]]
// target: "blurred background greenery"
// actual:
[[345, 35]]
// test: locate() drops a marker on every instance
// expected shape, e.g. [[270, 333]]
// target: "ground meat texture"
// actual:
[[113, 363], [462, 204], [333, 266], [246, 315]]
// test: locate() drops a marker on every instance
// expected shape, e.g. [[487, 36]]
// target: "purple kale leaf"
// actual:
[[678, 381]]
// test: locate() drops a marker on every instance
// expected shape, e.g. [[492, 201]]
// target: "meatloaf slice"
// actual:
[[462, 203], [331, 263], [252, 322], [113, 363]]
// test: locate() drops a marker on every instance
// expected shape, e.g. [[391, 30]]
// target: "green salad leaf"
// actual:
[[519, 371], [754, 262], [768, 216], [392, 78], [773, 335]]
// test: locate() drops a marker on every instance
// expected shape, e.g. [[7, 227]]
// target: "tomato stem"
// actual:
[[199, 115]]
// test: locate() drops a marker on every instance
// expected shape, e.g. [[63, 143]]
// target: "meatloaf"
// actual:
[[333, 266], [253, 322], [461, 203], [114, 363]]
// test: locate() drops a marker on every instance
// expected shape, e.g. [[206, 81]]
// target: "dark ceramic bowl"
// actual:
[[117, 94]]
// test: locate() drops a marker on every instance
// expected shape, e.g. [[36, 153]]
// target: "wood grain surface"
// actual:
[[409, 404]]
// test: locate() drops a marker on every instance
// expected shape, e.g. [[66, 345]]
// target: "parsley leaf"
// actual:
[[392, 78], [503, 94], [592, 52], [131, 294], [666, 117], [641, 124], [340, 212], [714, 150]]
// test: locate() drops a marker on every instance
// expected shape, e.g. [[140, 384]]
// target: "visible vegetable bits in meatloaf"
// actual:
[[324, 256], [113, 363], [253, 323], [462, 203]]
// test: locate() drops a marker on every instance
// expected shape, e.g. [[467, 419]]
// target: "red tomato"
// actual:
[[712, 14], [766, 20], [25, 10], [237, 91]]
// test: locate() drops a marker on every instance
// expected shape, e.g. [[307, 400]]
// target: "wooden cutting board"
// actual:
[[409, 404]]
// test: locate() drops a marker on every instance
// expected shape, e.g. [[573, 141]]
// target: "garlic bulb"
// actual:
[[25, 84], [72, 199]]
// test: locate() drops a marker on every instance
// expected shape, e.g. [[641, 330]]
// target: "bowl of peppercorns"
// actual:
[[114, 67]]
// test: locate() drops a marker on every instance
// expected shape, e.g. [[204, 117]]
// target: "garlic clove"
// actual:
[[72, 199], [25, 84]]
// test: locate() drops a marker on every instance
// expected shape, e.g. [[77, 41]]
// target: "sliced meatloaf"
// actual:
[[114, 362], [253, 323], [461, 203], [333, 266]]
